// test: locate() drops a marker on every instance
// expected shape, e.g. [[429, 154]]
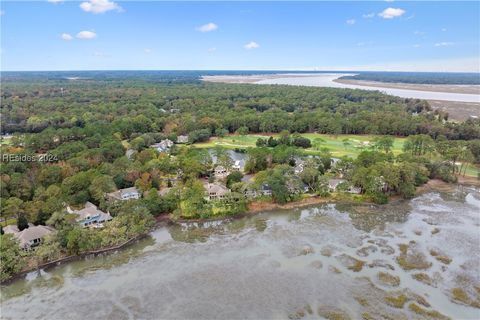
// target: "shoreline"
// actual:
[[254, 208], [449, 88]]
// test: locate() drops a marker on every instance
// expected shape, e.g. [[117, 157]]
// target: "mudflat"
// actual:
[[452, 88]]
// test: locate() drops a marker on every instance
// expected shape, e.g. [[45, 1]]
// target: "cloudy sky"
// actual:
[[102, 34]]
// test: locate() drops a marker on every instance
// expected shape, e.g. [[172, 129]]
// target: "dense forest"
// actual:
[[87, 126], [179, 104]]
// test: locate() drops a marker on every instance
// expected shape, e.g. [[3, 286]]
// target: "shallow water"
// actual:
[[326, 80], [294, 263]]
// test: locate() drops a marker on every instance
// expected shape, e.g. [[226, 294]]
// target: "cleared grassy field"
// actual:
[[338, 145]]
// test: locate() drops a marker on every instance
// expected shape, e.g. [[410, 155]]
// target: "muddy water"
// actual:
[[322, 261], [327, 80]]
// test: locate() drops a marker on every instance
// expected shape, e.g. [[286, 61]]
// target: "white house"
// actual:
[[124, 194], [237, 166], [90, 216], [163, 146]]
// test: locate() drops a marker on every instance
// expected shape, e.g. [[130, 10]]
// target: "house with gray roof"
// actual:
[[91, 216], [163, 146], [124, 194], [182, 139], [30, 237], [216, 191]]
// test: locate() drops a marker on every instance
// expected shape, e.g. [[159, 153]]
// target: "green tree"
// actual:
[[384, 143], [100, 186], [10, 257]]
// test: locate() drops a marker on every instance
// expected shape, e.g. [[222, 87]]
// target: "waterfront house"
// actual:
[[30, 237], [250, 193], [266, 190], [90, 216], [216, 191], [333, 183], [124, 194]]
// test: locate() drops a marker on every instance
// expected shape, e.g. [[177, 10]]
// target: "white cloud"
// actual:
[[389, 0], [251, 45], [391, 13], [100, 54], [54, 1], [86, 35], [418, 33], [66, 36], [444, 29], [212, 49], [99, 6], [207, 27], [147, 50], [416, 46], [350, 21], [444, 44], [368, 15], [2, 12], [362, 44]]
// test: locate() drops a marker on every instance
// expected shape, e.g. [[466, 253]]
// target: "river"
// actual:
[[324, 260], [327, 80]]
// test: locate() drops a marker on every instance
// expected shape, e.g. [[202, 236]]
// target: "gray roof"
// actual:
[[91, 210], [218, 189], [11, 228], [29, 234], [333, 183], [118, 194]]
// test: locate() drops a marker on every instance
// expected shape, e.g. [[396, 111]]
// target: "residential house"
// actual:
[[216, 191], [129, 153], [220, 172], [124, 194], [334, 183], [237, 166], [90, 216], [334, 162], [250, 193], [30, 237], [163, 146], [182, 139], [266, 190], [299, 166]]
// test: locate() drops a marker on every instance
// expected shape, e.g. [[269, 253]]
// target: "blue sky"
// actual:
[[107, 35]]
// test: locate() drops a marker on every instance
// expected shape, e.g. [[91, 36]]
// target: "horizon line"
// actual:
[[244, 70]]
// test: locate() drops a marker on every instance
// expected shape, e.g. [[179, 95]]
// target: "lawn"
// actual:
[[334, 143]]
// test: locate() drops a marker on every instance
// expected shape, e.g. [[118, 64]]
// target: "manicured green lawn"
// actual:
[[334, 144]]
